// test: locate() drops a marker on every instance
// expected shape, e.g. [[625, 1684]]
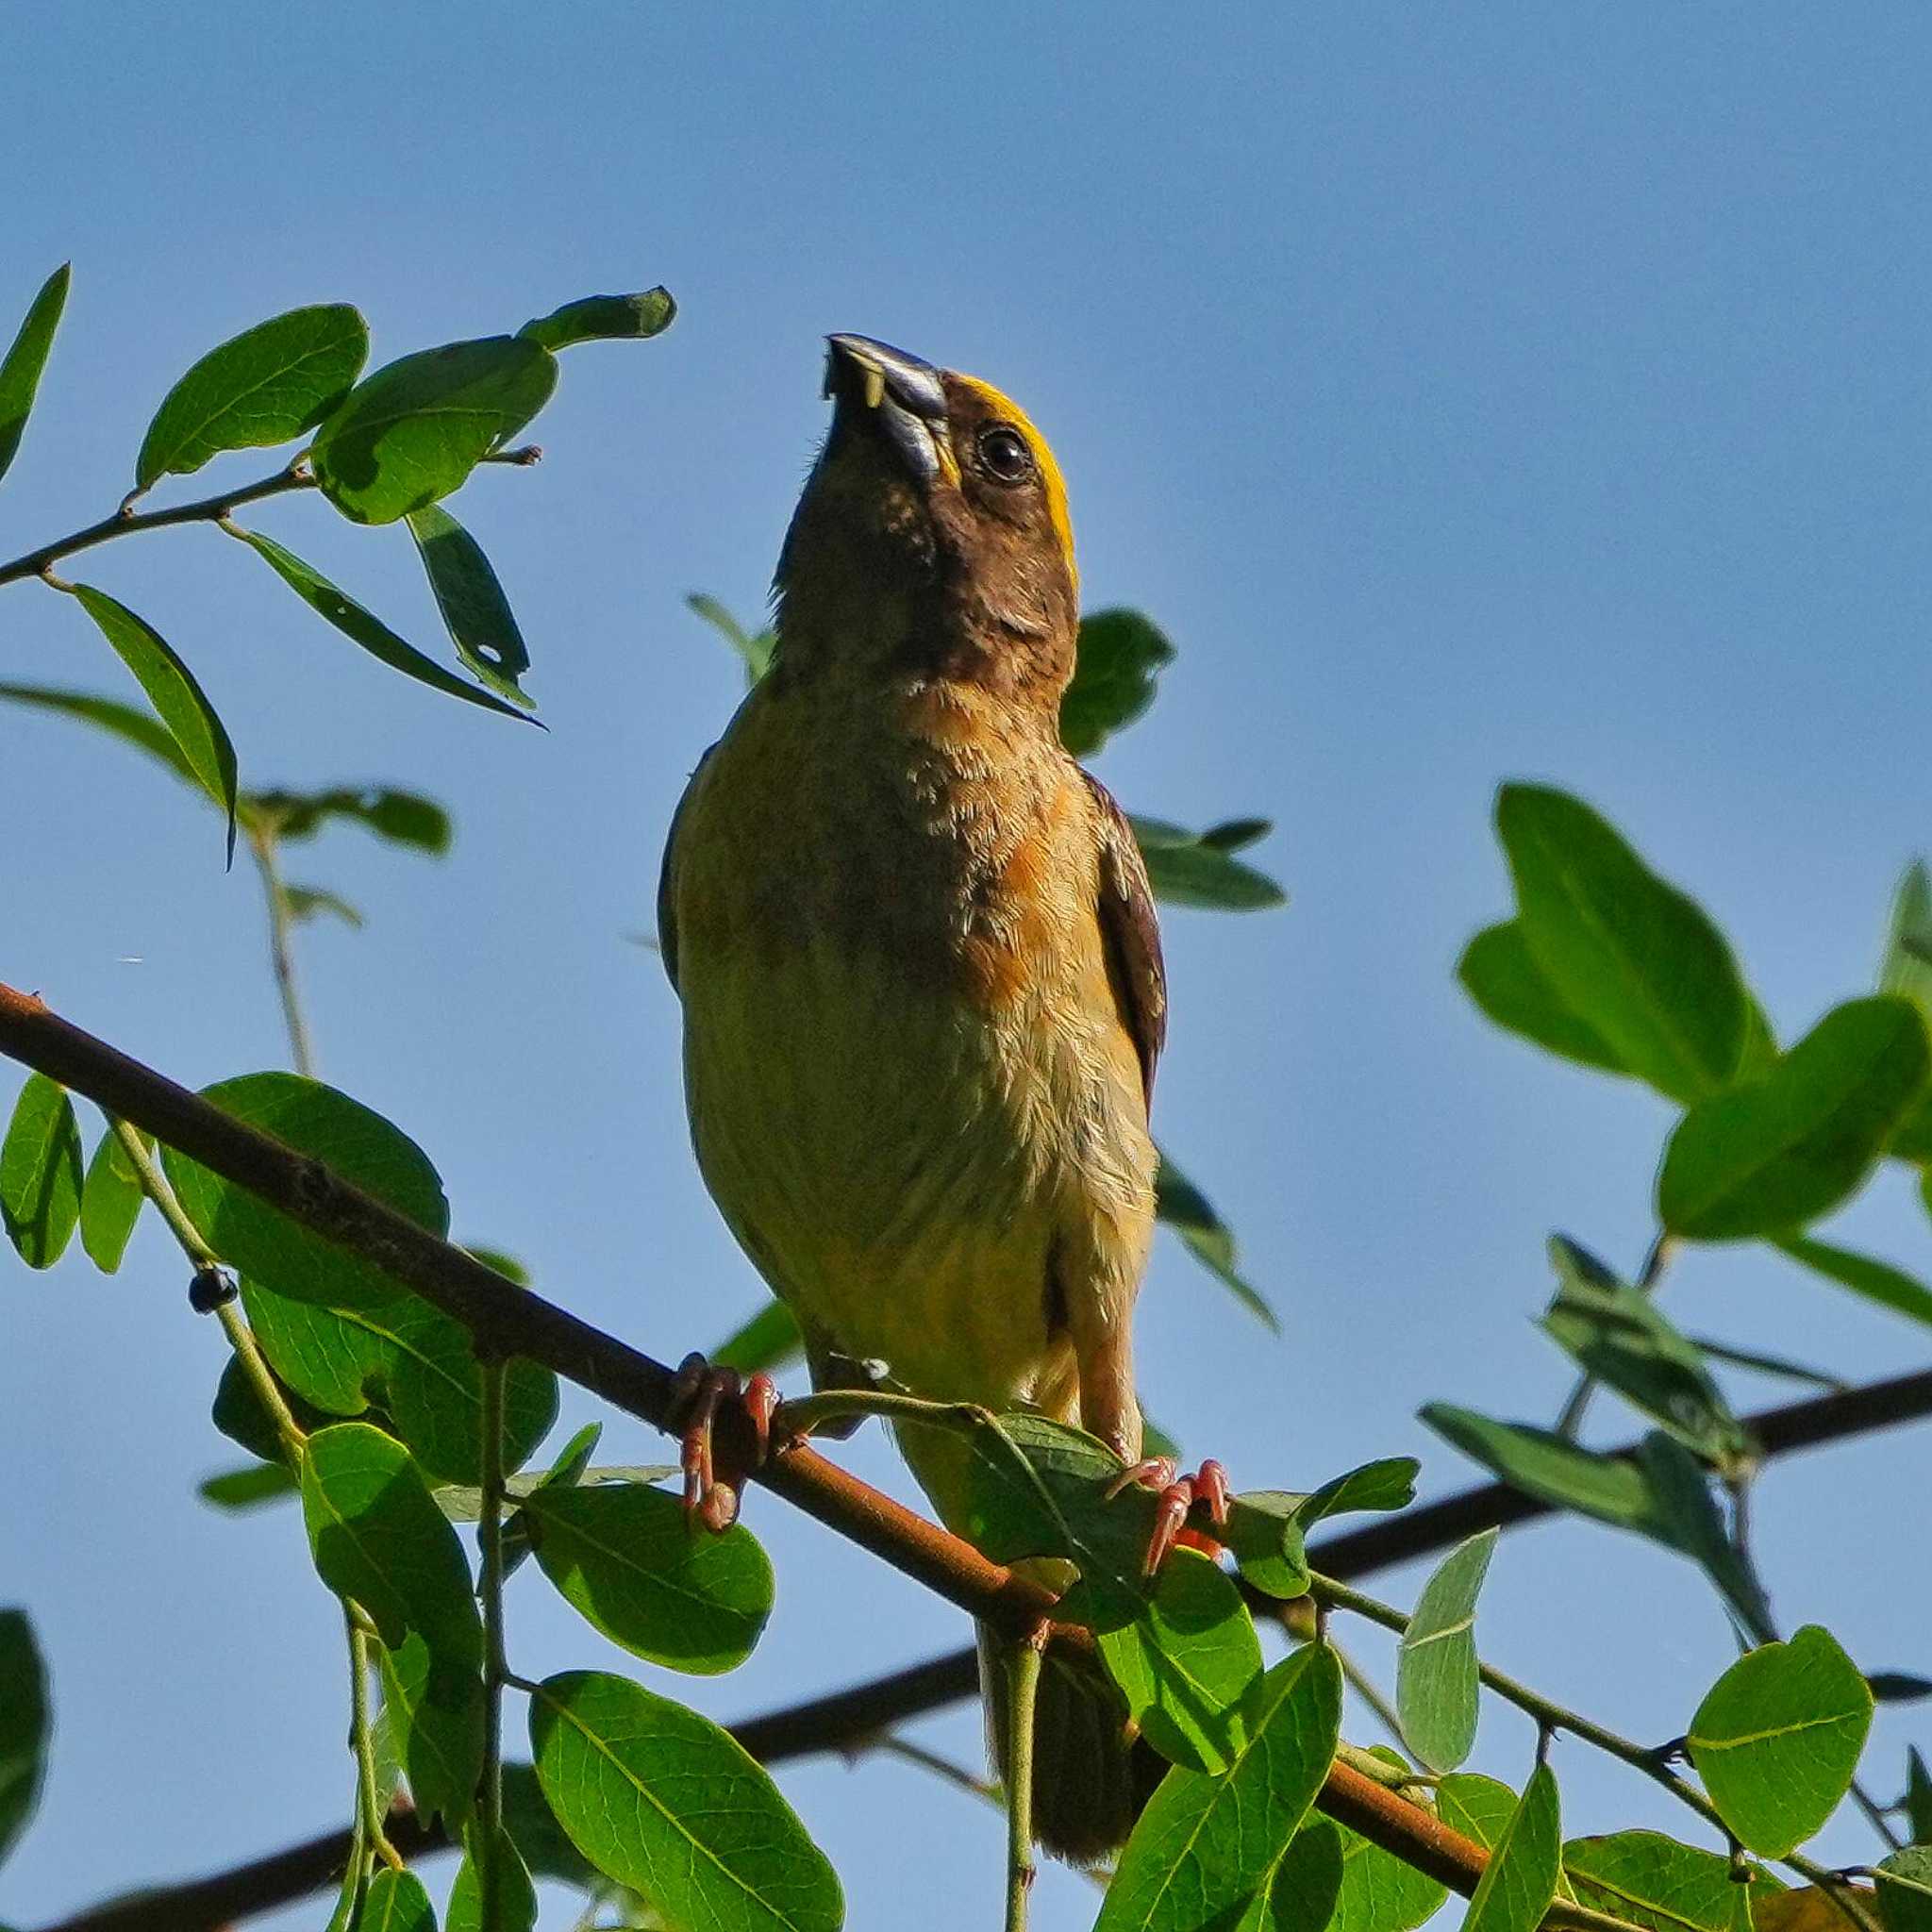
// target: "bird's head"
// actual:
[[932, 537]]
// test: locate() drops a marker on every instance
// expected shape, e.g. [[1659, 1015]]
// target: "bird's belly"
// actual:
[[894, 1159]]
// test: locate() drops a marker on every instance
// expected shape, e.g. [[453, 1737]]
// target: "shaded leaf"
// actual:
[[1904, 1883], [753, 647], [1918, 1797], [1379, 1894], [367, 629], [1898, 1686], [1520, 1880], [1188, 869], [474, 610], [1500, 974], [309, 902], [40, 1173], [1630, 955], [261, 388], [1877, 1281], [1186, 1662], [111, 1199], [662, 1800], [1204, 1846], [1647, 1879], [1786, 1149], [178, 700], [565, 1472], [604, 319], [1906, 967], [434, 1711], [516, 1896], [1437, 1687], [396, 1902], [412, 432], [26, 1724], [1777, 1738], [545, 1845], [139, 729], [1306, 1890], [1119, 657], [1479, 1807], [239, 1412], [1616, 1334], [769, 1341], [1543, 1465], [625, 1557], [249, 1486], [1686, 1518], [1186, 1209], [26, 358], [404, 818], [1266, 1529]]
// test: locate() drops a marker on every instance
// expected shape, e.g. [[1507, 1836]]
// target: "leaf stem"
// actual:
[[125, 521], [1569, 1417], [281, 954], [496, 1666], [369, 1806], [1022, 1671]]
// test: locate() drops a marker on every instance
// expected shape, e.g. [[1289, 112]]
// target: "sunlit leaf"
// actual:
[[1520, 1880], [1647, 1879], [1500, 974], [22, 366], [111, 1199], [1436, 1688], [1877, 1281], [1266, 1529], [516, 1896], [1186, 868], [1186, 1209], [139, 729], [40, 1173], [474, 610], [753, 647], [604, 319]]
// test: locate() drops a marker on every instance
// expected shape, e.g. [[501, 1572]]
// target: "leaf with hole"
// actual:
[[1777, 1738], [410, 433], [111, 1199], [662, 1800], [261, 388], [1120, 654], [1186, 1209], [604, 319], [1185, 1663], [474, 610], [1437, 1687], [1784, 1150], [40, 1173], [1635, 960], [624, 1558], [364, 627], [178, 700], [22, 367]]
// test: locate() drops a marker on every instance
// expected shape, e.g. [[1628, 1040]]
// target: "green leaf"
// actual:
[[625, 1557], [1793, 1145], [111, 1199], [1685, 1517], [1918, 1798], [1652, 1881], [1479, 1807], [237, 1412], [753, 647], [397, 1903], [410, 433], [604, 319], [1306, 1890], [1186, 1662], [545, 1846], [1436, 1683], [367, 629], [1500, 974], [309, 902], [1618, 1336], [517, 1897], [1186, 1209], [1520, 1880], [138, 728], [1898, 1686], [436, 1713], [261, 388], [179, 701], [351, 1139], [1906, 968], [1186, 868], [417, 1359], [564, 1473], [1776, 1740], [1120, 656], [404, 818], [662, 1800], [22, 366], [26, 1725], [249, 1486], [1877, 1281], [1379, 1894], [474, 610], [1631, 956], [1266, 1529], [39, 1172], [1546, 1466], [769, 1341], [1904, 1889], [1204, 1846]]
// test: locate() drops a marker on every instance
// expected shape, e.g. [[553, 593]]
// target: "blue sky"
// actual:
[[1468, 393]]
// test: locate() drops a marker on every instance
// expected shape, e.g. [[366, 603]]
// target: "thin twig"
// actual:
[[495, 1667], [1021, 1662], [261, 841]]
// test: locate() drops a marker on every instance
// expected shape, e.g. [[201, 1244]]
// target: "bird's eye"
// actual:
[[1004, 454]]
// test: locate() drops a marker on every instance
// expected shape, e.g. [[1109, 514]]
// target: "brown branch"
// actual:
[[505, 1320]]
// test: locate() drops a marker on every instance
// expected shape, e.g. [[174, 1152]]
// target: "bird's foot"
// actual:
[[1178, 1495], [711, 1498]]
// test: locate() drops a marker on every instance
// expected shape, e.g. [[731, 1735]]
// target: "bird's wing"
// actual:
[[1132, 935], [667, 878]]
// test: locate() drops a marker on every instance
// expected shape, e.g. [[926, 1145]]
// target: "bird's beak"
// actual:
[[905, 397]]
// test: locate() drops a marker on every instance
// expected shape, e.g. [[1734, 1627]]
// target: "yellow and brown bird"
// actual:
[[920, 977]]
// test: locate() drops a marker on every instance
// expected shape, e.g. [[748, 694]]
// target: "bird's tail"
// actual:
[[1091, 1773]]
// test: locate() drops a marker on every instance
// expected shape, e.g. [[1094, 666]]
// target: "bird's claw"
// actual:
[[1178, 1497], [700, 1392]]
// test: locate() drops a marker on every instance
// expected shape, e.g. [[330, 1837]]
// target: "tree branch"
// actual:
[[505, 1320]]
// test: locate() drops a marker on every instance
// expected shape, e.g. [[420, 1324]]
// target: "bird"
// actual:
[[921, 984]]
